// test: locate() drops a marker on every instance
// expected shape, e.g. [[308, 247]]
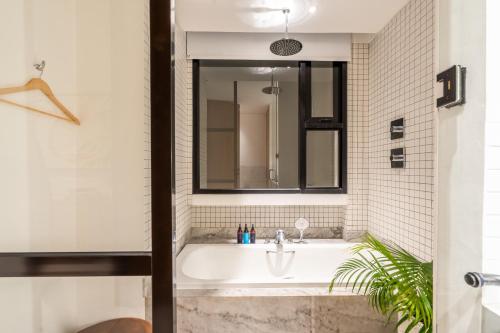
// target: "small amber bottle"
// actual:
[[253, 235], [240, 235]]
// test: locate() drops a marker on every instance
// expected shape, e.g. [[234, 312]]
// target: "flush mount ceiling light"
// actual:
[[286, 46]]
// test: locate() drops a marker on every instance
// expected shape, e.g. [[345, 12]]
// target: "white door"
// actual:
[[468, 170]]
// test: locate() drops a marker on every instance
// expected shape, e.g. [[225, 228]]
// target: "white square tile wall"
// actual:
[[356, 219], [183, 139], [267, 216], [388, 78], [355, 215], [401, 201], [183, 143]]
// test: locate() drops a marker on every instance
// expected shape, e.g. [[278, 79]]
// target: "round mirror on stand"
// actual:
[[301, 224]]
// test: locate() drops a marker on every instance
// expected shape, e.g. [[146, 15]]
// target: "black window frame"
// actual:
[[306, 123]]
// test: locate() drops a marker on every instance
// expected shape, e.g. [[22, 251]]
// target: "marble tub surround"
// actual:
[[265, 292], [208, 234], [281, 314], [354, 236]]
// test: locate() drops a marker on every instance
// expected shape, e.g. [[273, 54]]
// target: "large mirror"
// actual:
[[248, 127], [266, 125]]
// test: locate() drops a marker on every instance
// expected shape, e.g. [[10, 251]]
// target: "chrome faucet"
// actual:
[[280, 237], [279, 240]]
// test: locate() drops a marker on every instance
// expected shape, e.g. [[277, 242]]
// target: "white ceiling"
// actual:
[[306, 16]]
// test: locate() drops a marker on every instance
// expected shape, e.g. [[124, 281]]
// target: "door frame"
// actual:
[[160, 261]]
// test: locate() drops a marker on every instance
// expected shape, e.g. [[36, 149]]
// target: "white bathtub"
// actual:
[[218, 266]]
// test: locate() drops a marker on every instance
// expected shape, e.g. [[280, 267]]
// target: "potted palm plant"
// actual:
[[395, 282]]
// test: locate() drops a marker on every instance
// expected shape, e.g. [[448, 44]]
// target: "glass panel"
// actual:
[[68, 305], [323, 159], [248, 127], [67, 187], [324, 90]]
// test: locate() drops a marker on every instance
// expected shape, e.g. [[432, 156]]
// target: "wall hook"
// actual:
[[40, 67]]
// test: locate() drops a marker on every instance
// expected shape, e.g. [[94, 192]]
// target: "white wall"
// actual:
[[491, 222], [64, 187], [460, 168]]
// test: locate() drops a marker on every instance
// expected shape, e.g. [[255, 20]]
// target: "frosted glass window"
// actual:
[[323, 159], [324, 90]]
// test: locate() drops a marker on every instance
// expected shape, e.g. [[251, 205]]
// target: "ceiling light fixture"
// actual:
[[286, 46], [312, 9]]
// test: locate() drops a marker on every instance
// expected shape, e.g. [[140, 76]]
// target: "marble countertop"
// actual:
[[199, 235]]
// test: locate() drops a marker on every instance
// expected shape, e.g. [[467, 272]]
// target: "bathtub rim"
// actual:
[[215, 287]]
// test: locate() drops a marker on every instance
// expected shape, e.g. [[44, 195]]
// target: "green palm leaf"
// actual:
[[395, 282]]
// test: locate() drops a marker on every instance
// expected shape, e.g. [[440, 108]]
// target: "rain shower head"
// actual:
[[286, 46]]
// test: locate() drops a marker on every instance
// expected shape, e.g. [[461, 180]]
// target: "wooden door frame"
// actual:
[[160, 262]]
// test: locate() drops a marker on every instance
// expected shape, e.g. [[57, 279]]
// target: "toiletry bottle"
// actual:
[[252, 235], [246, 235], [240, 235]]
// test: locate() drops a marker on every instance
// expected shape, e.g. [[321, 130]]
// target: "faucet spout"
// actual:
[[280, 237]]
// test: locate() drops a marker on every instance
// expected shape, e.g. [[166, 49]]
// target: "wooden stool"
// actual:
[[120, 325]]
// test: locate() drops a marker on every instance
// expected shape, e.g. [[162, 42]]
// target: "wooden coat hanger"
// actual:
[[41, 85]]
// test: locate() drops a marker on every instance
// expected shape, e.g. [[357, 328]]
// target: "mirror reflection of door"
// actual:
[[253, 143], [248, 125], [221, 144]]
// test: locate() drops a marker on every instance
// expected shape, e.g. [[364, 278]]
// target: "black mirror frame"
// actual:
[[306, 123]]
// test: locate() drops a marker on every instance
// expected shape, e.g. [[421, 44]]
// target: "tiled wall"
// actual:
[[401, 201], [356, 219], [388, 78], [183, 139], [354, 216], [267, 216]]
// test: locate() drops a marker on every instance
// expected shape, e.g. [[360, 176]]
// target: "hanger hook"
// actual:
[[40, 67]]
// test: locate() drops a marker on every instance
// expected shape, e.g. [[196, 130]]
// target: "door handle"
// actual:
[[477, 280]]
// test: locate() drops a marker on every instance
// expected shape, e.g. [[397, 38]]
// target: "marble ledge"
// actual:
[[211, 235], [265, 292]]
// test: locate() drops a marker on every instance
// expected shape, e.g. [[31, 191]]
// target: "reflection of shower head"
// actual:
[[271, 90]]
